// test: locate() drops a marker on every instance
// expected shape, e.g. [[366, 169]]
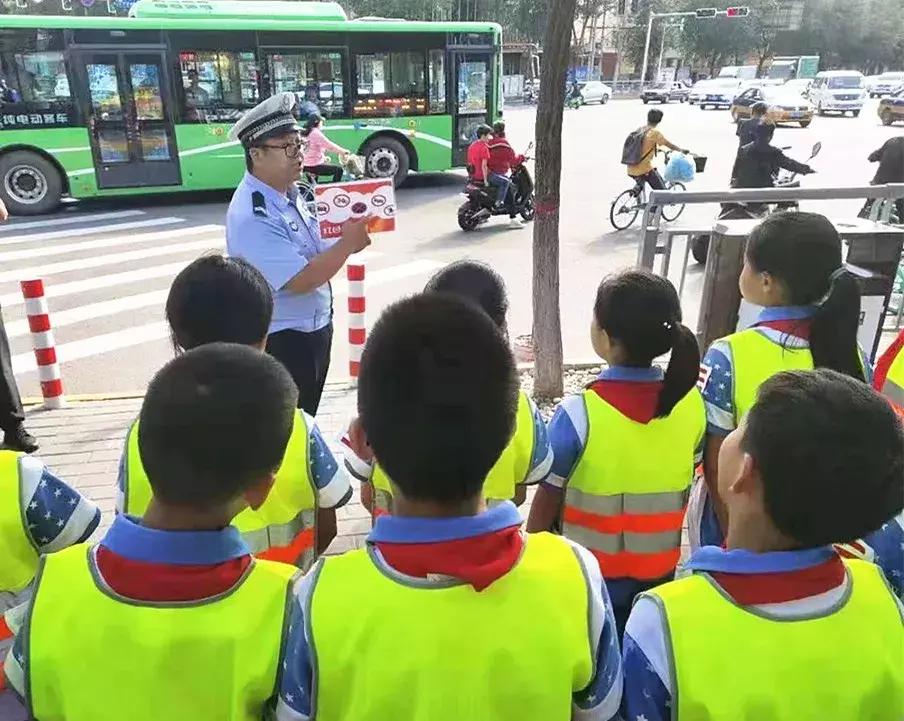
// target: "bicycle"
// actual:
[[628, 204]]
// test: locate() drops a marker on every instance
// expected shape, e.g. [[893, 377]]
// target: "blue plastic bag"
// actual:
[[680, 169]]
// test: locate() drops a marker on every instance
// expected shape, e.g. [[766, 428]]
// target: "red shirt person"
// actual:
[[502, 157], [479, 155]]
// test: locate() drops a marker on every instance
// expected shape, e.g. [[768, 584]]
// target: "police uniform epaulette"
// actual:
[[258, 203]]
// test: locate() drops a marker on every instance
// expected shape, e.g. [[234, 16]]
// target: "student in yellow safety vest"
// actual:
[[527, 458], [810, 317], [450, 612], [625, 449], [776, 625], [170, 616], [221, 299]]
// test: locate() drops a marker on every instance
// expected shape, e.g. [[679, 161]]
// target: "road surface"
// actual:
[[108, 264]]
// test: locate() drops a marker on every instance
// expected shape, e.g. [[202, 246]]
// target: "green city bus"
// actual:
[[100, 106]]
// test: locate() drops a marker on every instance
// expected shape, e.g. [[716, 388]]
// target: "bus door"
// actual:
[[472, 78], [127, 102]]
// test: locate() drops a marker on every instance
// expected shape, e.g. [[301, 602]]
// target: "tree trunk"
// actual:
[[547, 332]]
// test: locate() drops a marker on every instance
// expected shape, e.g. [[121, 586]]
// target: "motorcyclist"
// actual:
[[759, 161], [502, 159], [574, 93], [891, 170], [747, 131]]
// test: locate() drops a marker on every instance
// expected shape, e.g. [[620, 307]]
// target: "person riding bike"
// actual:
[[574, 94], [502, 159], [759, 162], [643, 172]]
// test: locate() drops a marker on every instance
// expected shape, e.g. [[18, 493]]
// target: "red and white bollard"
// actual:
[[357, 329], [43, 343]]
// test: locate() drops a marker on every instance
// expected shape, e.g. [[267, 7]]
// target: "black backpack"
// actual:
[[632, 151]]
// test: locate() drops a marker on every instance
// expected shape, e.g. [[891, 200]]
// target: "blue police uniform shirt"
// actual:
[[279, 236]]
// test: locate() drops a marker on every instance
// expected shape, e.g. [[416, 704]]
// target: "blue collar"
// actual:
[[786, 312], [401, 529], [627, 373], [739, 560], [128, 538], [281, 200]]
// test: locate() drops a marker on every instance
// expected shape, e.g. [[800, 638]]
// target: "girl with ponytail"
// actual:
[[625, 449], [811, 313]]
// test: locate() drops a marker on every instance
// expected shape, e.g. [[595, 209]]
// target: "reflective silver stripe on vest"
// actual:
[[618, 542], [893, 392], [382, 500], [281, 534], [635, 503]]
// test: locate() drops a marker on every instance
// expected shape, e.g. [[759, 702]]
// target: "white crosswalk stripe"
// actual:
[[107, 286]]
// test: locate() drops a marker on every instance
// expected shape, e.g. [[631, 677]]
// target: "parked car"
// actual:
[[720, 94], [884, 84], [698, 91], [801, 86], [593, 91], [891, 109], [665, 92], [838, 91], [785, 105]]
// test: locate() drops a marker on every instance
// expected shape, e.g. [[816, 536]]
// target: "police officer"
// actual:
[[15, 436], [271, 227]]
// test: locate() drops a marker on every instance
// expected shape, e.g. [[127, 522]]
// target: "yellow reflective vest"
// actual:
[[626, 497], [729, 663], [95, 657], [755, 359], [19, 555], [283, 529], [511, 469], [893, 387], [449, 652]]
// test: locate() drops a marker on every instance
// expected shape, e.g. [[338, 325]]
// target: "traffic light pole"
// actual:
[[701, 13]]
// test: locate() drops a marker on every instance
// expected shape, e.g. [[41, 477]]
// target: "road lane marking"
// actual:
[[90, 230], [68, 266], [136, 335], [106, 242], [68, 220]]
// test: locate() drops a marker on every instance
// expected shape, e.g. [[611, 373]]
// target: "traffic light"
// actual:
[[706, 12], [738, 12]]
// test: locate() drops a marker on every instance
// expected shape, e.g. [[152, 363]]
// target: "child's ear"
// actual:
[[257, 494], [357, 440], [748, 480]]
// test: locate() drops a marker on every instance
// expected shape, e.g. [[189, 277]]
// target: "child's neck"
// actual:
[[758, 535], [175, 518], [402, 506]]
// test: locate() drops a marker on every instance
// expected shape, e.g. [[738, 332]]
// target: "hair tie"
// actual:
[[668, 325]]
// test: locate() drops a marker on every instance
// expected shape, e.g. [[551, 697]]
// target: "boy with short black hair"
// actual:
[[441, 621], [222, 299], [214, 427], [776, 625]]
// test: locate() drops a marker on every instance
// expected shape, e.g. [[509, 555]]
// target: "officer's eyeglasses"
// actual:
[[291, 150]]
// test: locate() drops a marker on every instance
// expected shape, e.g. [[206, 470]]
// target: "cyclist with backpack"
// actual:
[[640, 149]]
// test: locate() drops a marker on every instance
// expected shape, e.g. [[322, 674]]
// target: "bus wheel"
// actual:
[[386, 157], [29, 184]]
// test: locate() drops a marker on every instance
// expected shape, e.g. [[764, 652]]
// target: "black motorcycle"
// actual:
[[481, 203], [752, 211]]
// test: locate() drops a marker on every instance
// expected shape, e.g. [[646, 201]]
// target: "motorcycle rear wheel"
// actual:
[[466, 220], [527, 211]]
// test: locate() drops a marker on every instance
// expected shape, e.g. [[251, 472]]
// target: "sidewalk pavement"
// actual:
[[83, 442]]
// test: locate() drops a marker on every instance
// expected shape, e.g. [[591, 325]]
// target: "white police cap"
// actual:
[[271, 114]]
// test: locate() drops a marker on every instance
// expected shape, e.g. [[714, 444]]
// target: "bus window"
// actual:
[[35, 84], [217, 86], [390, 84], [472, 86], [315, 77], [437, 68]]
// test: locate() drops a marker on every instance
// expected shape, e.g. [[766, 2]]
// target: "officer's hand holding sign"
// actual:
[[269, 225]]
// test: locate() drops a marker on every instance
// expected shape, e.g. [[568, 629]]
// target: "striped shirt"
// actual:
[[331, 481], [442, 544], [785, 585]]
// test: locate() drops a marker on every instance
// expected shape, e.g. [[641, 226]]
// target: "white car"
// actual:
[[838, 91], [698, 91], [884, 84], [719, 93], [593, 91], [801, 86]]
